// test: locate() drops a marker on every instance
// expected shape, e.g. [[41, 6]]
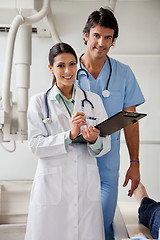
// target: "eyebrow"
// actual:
[[104, 36], [60, 62], [64, 62]]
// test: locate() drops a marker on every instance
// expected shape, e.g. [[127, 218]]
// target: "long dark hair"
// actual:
[[105, 18], [57, 49]]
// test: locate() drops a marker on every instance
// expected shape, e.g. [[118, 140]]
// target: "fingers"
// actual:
[[134, 185], [126, 181], [90, 133], [79, 118]]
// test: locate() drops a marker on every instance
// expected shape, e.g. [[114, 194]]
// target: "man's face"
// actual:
[[99, 41]]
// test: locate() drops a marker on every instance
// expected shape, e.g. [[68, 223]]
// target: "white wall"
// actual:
[[137, 45]]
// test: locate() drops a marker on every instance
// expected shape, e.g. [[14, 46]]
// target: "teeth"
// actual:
[[68, 77]]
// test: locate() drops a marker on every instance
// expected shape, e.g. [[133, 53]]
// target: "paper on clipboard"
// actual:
[[114, 124]]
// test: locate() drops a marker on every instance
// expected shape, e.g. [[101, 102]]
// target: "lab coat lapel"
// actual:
[[61, 106], [78, 100]]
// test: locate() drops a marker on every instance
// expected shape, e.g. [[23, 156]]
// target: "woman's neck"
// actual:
[[66, 91]]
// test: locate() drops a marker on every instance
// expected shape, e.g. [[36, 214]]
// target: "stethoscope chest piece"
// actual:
[[105, 93]]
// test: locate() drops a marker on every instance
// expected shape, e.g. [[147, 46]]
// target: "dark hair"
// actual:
[[60, 48], [57, 49], [105, 18]]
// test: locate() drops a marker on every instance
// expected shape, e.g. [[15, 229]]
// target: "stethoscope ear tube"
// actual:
[[47, 119], [84, 70], [86, 100]]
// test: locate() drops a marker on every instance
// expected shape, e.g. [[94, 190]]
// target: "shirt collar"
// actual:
[[59, 95]]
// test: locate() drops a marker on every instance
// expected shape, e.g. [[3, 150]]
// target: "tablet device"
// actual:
[[114, 124]]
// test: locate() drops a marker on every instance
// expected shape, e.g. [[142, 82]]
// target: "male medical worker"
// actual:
[[122, 93]]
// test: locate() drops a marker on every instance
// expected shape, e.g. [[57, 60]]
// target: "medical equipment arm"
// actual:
[[13, 116]]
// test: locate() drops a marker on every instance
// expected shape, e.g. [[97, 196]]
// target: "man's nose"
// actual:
[[101, 41]]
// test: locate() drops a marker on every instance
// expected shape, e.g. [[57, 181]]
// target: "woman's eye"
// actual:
[[60, 65]]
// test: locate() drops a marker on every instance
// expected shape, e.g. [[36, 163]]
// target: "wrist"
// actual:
[[134, 161], [72, 136]]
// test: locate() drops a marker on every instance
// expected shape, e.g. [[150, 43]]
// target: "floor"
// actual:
[[124, 227], [129, 210], [12, 231]]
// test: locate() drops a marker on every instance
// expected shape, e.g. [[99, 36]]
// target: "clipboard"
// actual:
[[114, 124]]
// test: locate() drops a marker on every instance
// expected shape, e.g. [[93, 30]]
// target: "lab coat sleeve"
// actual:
[[40, 143], [101, 115]]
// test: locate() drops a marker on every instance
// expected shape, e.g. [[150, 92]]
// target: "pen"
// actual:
[[88, 117]]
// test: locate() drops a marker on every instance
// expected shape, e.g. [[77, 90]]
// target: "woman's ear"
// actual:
[[51, 69]]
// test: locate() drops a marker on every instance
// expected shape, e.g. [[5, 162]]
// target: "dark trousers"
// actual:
[[149, 215]]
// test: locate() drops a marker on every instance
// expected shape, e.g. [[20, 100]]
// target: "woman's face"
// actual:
[[64, 69]]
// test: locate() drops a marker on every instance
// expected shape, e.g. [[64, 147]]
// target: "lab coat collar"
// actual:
[[52, 97], [78, 100], [52, 94]]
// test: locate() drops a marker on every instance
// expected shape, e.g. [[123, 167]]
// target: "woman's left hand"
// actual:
[[90, 134]]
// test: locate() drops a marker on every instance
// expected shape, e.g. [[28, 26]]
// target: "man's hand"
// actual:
[[133, 174]]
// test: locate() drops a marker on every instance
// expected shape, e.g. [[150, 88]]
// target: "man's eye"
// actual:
[[108, 37], [72, 64], [96, 35]]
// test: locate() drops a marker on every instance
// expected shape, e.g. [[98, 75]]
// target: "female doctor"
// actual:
[[65, 199]]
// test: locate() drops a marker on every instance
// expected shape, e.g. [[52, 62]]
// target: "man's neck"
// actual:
[[93, 65]]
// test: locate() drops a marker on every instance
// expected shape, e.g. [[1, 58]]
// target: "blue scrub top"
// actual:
[[124, 92]]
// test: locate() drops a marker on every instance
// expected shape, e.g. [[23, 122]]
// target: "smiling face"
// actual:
[[99, 41], [64, 69]]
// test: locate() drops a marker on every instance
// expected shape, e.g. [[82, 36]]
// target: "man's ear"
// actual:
[[86, 37], [51, 69]]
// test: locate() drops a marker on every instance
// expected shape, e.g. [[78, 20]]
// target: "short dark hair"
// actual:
[[60, 48], [105, 18], [57, 49]]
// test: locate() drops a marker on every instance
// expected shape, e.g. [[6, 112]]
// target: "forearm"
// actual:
[[131, 133], [132, 140]]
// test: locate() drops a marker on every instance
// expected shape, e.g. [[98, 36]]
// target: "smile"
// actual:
[[100, 49], [69, 77]]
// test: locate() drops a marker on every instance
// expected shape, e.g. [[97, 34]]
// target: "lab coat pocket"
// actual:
[[47, 186], [93, 191]]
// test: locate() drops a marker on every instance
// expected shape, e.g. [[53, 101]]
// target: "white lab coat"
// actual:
[[65, 199]]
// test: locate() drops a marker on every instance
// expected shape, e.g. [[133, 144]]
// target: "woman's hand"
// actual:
[[78, 120], [90, 134]]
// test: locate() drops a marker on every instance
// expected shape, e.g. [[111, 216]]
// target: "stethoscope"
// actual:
[[105, 92], [48, 119]]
